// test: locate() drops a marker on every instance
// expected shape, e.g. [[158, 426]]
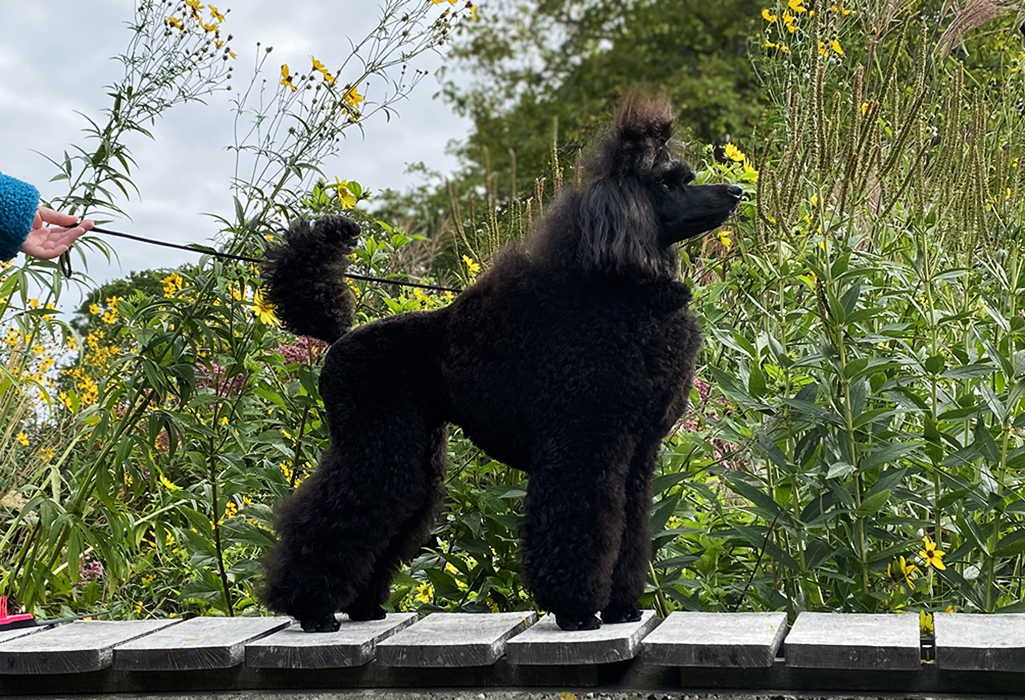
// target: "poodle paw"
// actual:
[[328, 623], [615, 615], [363, 614], [573, 624]]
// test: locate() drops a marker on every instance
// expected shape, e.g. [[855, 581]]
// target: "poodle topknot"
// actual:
[[570, 359]]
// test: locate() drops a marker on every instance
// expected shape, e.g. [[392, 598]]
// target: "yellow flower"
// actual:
[[903, 574], [734, 153], [46, 454], [471, 266], [172, 284], [768, 16], [22, 439], [473, 13], [33, 303], [724, 238], [424, 592], [933, 557], [797, 6], [194, 4], [215, 13], [317, 65], [166, 483], [176, 23], [353, 99], [263, 309], [925, 623], [789, 22], [94, 309], [346, 198], [286, 78], [835, 45]]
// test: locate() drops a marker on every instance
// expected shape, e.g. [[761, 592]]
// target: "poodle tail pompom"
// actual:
[[304, 278]]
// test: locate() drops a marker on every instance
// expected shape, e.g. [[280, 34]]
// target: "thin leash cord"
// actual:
[[65, 261]]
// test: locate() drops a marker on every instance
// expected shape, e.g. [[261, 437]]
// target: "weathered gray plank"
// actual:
[[854, 641], [8, 635], [354, 644], [79, 647], [978, 642], [449, 640], [545, 644], [716, 640], [196, 644]]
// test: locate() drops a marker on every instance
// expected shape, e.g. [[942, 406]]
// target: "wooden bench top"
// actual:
[[742, 649]]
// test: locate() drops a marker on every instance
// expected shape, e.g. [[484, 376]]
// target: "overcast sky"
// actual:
[[55, 58]]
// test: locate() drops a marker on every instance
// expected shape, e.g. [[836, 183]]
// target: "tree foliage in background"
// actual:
[[549, 72]]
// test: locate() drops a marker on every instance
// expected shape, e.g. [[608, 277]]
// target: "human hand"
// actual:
[[48, 242]]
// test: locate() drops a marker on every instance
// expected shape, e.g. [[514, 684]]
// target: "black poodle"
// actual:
[[570, 359]]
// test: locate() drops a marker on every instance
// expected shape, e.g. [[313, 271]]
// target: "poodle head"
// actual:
[[642, 200]]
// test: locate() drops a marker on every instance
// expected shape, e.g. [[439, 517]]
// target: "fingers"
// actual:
[[50, 216]]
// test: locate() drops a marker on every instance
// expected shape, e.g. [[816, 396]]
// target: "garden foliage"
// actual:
[[856, 438]]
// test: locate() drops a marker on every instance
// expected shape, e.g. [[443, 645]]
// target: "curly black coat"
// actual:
[[570, 359]]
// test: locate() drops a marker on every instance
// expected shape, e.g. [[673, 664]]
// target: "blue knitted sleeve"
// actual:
[[18, 204]]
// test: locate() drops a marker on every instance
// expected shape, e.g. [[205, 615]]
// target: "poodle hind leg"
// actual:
[[338, 525], [414, 533], [572, 530], [631, 568]]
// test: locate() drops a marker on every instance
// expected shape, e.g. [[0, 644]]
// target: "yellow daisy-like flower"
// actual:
[[176, 23], [734, 153], [286, 77], [167, 484], [317, 65], [22, 439], [768, 16], [424, 592], [263, 309], [790, 22], [472, 267], [925, 623], [797, 6], [835, 45], [902, 575], [94, 309], [933, 557], [194, 4], [346, 198], [724, 239], [352, 98], [473, 13], [215, 13]]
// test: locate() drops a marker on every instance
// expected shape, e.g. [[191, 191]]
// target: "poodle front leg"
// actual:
[[572, 531], [631, 568]]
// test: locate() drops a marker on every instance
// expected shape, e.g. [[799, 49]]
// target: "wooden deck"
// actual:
[[822, 651]]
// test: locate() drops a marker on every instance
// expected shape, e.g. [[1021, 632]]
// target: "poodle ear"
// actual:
[[618, 232]]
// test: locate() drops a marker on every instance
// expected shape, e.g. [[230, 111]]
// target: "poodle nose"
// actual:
[[735, 190]]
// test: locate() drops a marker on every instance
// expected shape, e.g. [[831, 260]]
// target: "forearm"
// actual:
[[19, 202]]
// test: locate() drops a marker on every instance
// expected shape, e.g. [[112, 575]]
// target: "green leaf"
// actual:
[[873, 504]]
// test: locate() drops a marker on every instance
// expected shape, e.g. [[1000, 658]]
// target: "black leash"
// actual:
[[65, 261]]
